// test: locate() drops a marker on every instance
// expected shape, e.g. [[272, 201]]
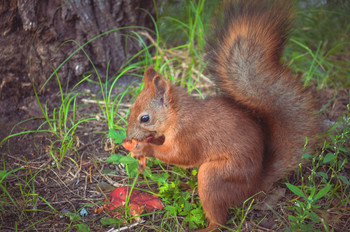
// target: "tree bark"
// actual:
[[36, 37]]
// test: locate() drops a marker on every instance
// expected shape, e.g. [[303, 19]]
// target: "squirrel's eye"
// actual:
[[144, 118]]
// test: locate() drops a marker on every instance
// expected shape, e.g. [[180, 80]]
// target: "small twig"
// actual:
[[85, 186], [126, 227], [126, 105]]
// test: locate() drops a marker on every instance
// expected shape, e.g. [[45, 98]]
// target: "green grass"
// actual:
[[318, 49], [320, 43]]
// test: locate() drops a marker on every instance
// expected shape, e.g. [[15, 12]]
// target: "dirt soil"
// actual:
[[72, 185], [81, 179]]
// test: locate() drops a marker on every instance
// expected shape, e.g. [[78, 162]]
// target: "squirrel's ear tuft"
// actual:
[[150, 73]]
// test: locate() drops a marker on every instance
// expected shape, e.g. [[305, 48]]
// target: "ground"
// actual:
[[84, 178]]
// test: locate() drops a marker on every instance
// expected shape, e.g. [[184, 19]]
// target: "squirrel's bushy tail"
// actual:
[[245, 60]]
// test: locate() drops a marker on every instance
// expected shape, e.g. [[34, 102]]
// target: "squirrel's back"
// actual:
[[245, 61]]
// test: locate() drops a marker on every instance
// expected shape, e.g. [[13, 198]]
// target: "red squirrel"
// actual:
[[253, 132]]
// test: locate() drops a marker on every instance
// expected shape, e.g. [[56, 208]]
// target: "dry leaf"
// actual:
[[138, 202]]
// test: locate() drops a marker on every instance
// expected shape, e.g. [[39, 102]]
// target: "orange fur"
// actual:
[[251, 135]]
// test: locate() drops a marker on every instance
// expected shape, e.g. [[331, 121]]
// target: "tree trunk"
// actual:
[[36, 36]]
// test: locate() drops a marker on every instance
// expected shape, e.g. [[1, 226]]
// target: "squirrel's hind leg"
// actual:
[[220, 186]]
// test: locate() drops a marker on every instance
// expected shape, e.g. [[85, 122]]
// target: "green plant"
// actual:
[[320, 38], [76, 221], [306, 210], [325, 178], [8, 201], [182, 64], [181, 201], [22, 199], [62, 122], [178, 201], [129, 162], [241, 213]]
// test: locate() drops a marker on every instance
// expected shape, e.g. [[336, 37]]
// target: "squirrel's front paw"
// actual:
[[142, 149]]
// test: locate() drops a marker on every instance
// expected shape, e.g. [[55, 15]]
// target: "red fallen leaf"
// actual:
[[138, 201], [151, 202], [136, 210]]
